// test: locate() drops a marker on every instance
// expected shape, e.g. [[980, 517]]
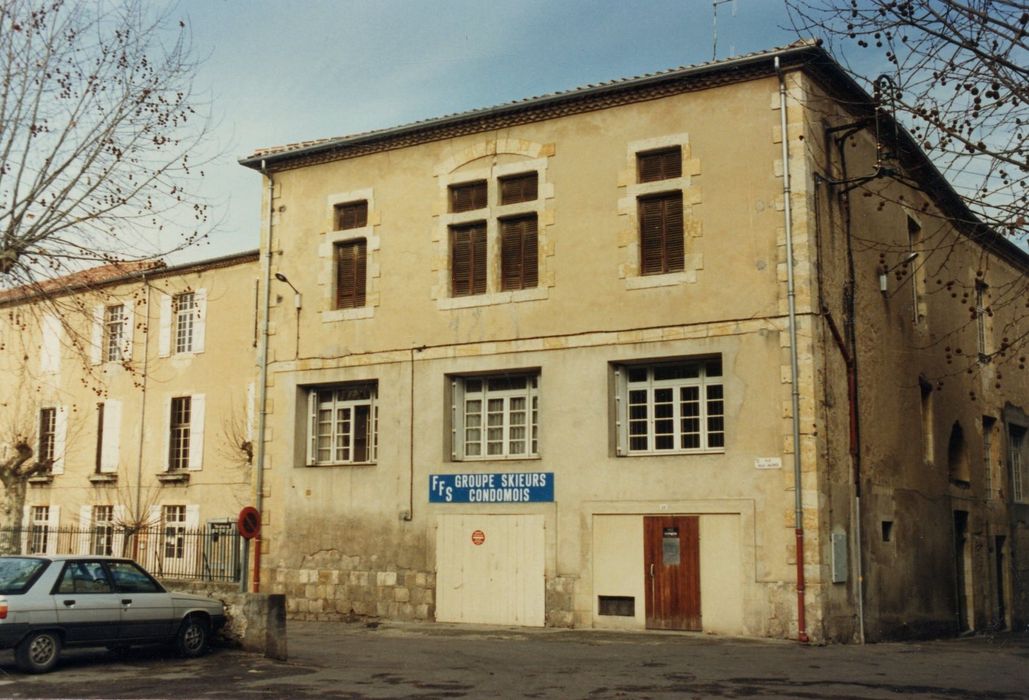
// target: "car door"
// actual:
[[86, 606], [147, 613]]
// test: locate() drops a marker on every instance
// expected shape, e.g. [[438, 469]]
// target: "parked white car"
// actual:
[[50, 602]]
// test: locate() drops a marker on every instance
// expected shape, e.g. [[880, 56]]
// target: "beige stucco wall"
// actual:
[[361, 538]]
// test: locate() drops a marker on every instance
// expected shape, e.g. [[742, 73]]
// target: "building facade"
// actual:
[[551, 363], [133, 386]]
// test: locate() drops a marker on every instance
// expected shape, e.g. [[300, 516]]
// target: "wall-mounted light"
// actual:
[[297, 298], [885, 271]]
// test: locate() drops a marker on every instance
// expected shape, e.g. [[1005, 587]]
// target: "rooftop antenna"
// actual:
[[714, 27]]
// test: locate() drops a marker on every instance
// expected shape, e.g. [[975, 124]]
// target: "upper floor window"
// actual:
[[342, 422], [663, 164], [185, 313], [47, 435], [495, 416], [662, 240], [1018, 463], [351, 215], [671, 407], [114, 332], [468, 196], [468, 259], [183, 323], [519, 188], [982, 314], [178, 457], [185, 432], [351, 273], [519, 253], [662, 243], [509, 229]]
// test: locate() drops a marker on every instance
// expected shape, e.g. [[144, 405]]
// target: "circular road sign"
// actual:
[[249, 522]]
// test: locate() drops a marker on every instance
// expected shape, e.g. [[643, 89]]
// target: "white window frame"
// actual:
[[101, 536], [193, 433], [710, 393], [331, 412], [184, 306], [114, 332], [42, 523], [471, 434], [182, 325]]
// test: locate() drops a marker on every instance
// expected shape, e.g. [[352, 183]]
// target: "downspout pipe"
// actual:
[[791, 301], [262, 392]]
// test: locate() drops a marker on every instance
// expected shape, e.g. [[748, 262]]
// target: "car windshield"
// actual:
[[16, 573]]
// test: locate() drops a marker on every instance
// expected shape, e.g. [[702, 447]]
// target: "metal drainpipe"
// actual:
[[263, 389], [794, 369], [138, 515]]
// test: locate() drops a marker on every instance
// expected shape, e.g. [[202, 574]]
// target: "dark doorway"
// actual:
[[672, 572]]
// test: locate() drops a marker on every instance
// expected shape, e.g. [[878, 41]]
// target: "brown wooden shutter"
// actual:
[[468, 259], [662, 245], [659, 165], [469, 196], [518, 188], [351, 215], [519, 266], [351, 268]]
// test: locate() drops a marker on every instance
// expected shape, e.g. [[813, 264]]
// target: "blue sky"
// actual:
[[279, 72]]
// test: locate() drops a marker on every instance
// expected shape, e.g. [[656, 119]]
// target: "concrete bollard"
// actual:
[[275, 630], [265, 629]]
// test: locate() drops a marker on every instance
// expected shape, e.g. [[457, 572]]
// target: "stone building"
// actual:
[[133, 385], [552, 362]]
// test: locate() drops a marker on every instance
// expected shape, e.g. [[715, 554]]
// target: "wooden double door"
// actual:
[[671, 559]]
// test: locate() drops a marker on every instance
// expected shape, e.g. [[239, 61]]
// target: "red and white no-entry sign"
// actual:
[[478, 537]]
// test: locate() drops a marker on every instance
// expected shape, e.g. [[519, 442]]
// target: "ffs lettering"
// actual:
[[438, 486]]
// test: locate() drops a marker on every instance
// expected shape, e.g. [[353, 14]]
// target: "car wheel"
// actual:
[[192, 638], [38, 652]]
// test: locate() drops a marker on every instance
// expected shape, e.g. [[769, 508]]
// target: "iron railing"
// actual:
[[211, 553]]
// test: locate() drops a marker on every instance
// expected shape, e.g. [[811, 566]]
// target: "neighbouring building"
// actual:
[[133, 385], [550, 363]]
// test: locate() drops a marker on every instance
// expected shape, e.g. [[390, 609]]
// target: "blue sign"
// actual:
[[509, 487]]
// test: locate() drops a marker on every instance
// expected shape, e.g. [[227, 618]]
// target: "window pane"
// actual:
[[659, 165], [351, 215], [518, 188], [468, 196]]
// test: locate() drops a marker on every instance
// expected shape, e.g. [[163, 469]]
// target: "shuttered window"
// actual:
[[468, 259], [351, 215], [519, 188], [351, 273], [659, 165], [519, 268], [468, 196], [181, 423], [662, 248]]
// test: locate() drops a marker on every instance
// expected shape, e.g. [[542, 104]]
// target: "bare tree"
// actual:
[[956, 74], [98, 132]]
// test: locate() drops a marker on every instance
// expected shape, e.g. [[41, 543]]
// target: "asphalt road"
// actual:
[[400, 660]]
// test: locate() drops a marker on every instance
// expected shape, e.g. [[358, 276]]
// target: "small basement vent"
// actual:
[[621, 605]]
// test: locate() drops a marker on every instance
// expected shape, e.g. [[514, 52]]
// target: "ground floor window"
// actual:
[[670, 407], [495, 416], [39, 530], [342, 424]]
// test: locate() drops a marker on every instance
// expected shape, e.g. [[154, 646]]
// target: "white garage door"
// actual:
[[489, 569]]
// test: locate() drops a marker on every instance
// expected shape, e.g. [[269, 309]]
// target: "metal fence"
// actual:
[[211, 553]]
